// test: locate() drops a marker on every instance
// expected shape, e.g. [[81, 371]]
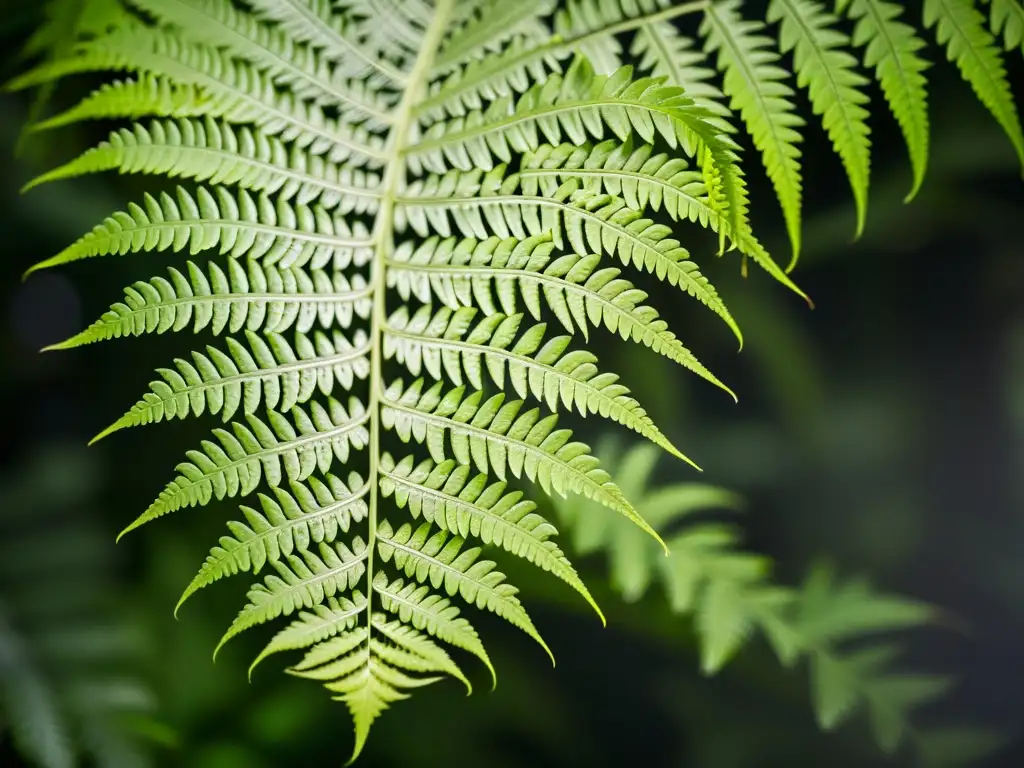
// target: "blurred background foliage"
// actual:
[[884, 430]]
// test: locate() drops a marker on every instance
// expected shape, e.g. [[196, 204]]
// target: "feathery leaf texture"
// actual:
[[960, 27], [403, 190]]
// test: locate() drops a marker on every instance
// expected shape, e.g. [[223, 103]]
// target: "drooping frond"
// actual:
[[828, 72], [1008, 20], [401, 190], [960, 28], [892, 50], [755, 84]]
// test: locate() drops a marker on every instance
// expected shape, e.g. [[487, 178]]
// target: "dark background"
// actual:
[[884, 429]]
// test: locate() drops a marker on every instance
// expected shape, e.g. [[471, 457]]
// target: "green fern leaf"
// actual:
[[755, 84], [303, 580], [446, 345], [448, 496], [828, 72], [891, 48], [440, 560], [730, 595], [275, 449], [429, 612], [258, 299], [388, 189], [495, 436], [270, 373], [288, 523], [206, 151], [145, 95], [1008, 20], [579, 294], [960, 27], [276, 233]]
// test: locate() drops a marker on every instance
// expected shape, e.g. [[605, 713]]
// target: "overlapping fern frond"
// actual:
[[71, 689], [839, 629], [385, 190]]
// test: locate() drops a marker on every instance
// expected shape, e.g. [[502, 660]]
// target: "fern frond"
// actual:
[[219, 154], [428, 612], [450, 497], [273, 450], [143, 96], [268, 372], [444, 344], [237, 90], [592, 223], [336, 38], [394, 29], [1007, 19], [473, 273], [274, 231], [892, 49], [253, 298], [440, 560], [369, 674], [664, 52], [321, 622], [299, 67], [578, 106], [828, 72], [287, 523], [495, 436], [489, 30], [730, 595], [303, 580], [960, 28], [400, 183], [755, 84]]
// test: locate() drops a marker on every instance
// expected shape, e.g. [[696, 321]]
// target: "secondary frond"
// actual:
[[730, 595], [960, 28]]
